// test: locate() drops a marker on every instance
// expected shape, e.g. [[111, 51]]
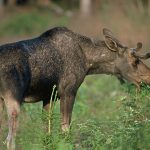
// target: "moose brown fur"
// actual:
[[30, 68]]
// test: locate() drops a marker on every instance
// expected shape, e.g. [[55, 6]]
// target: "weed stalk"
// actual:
[[51, 108]]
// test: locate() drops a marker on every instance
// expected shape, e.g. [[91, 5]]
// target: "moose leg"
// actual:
[[66, 107], [67, 91], [46, 106], [1, 111], [13, 109]]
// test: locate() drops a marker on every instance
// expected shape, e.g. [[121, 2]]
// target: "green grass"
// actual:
[[106, 116], [27, 23]]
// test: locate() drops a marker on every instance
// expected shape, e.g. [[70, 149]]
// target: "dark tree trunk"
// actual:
[[69, 3], [142, 5], [44, 2], [1, 7], [11, 3], [95, 5]]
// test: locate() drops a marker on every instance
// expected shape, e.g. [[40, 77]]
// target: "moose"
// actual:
[[30, 68]]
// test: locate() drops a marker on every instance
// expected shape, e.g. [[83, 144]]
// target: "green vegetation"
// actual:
[[27, 23], [107, 116]]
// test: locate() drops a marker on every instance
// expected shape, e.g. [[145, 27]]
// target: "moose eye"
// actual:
[[137, 61]]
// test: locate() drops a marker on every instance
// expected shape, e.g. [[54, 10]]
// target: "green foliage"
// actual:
[[31, 23], [106, 116], [135, 118], [129, 131]]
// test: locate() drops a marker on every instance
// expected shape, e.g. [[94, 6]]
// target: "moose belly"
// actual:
[[40, 91], [31, 99]]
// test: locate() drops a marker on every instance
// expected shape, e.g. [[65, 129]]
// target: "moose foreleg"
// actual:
[[67, 90], [66, 107]]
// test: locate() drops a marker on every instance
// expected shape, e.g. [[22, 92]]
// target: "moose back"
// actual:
[[30, 68]]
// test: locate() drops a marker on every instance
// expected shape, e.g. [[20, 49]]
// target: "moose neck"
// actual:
[[100, 60]]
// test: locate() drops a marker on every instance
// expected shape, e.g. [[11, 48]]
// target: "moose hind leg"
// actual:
[[45, 111], [1, 112], [13, 109]]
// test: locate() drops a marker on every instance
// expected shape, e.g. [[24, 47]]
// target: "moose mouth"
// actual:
[[131, 80], [137, 82]]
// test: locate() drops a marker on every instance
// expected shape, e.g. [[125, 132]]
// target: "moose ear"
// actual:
[[112, 45], [139, 46], [111, 42]]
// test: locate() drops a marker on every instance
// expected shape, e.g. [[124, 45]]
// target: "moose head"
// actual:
[[128, 62]]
